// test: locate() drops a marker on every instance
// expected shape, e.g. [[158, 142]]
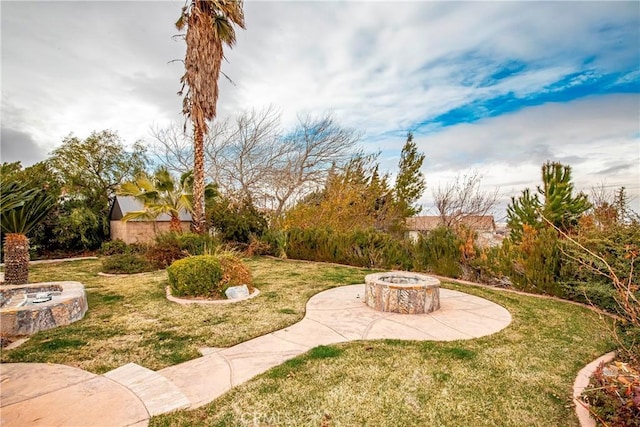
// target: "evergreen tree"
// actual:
[[523, 210], [410, 183], [357, 197], [560, 206]]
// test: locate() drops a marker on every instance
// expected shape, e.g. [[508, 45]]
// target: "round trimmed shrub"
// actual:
[[197, 276]]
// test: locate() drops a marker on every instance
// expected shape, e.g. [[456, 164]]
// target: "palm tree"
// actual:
[[209, 24], [160, 194], [26, 207]]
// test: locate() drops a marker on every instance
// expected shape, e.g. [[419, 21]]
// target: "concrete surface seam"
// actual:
[[327, 326], [372, 323], [401, 324], [290, 341], [230, 365], [132, 391]]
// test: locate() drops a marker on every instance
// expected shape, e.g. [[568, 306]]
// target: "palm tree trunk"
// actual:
[[198, 220], [175, 225], [16, 259]]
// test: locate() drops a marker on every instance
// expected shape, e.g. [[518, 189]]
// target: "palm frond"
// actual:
[[14, 195], [23, 218], [133, 215]]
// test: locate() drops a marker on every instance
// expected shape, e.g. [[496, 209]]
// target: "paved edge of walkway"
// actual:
[[52, 261], [581, 382]]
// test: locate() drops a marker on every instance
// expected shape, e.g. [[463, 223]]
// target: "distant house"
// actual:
[[139, 230], [484, 226]]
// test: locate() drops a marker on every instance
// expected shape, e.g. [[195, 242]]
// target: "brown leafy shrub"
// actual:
[[170, 247], [257, 247], [614, 395], [162, 256], [234, 272]]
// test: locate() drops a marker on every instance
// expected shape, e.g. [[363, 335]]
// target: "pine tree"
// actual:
[[560, 207], [410, 183], [523, 210]]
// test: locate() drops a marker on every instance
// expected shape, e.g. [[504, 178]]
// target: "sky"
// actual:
[[494, 87]]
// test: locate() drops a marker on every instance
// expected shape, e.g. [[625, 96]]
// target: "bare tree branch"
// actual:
[[251, 158], [463, 198]]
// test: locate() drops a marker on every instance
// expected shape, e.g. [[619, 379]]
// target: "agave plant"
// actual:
[[24, 209]]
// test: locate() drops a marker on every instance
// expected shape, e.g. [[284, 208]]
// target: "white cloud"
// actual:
[[381, 67], [598, 137]]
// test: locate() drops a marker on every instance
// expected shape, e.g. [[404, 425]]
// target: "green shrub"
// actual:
[[374, 249], [534, 264], [362, 248], [599, 294], [113, 247], [127, 263], [138, 248], [236, 222], [197, 276], [196, 244], [311, 244], [439, 252], [586, 279], [274, 243]]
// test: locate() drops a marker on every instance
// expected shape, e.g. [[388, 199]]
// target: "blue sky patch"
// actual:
[[571, 87]]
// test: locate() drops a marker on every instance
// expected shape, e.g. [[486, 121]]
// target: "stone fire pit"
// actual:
[[27, 309], [400, 292]]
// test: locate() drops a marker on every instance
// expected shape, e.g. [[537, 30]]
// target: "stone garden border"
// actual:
[[184, 301]]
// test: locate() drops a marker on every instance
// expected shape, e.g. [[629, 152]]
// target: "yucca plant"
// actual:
[[26, 207]]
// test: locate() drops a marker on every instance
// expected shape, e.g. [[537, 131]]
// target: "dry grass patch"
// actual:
[[520, 376], [130, 320]]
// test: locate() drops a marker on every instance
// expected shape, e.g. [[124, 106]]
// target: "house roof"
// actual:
[[125, 204], [428, 223]]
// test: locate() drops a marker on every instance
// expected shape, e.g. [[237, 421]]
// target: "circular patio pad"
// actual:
[[461, 316]]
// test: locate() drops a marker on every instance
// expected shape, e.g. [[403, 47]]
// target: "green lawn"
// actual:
[[520, 376], [130, 320]]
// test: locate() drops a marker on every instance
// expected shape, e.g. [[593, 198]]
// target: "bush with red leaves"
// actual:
[[613, 395]]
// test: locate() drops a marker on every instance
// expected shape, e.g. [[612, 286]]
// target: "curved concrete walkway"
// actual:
[[57, 395]]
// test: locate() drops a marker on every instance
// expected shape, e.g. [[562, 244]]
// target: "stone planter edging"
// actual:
[[184, 301]]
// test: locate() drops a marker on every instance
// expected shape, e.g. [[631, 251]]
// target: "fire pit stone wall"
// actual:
[[27, 309], [402, 292]]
